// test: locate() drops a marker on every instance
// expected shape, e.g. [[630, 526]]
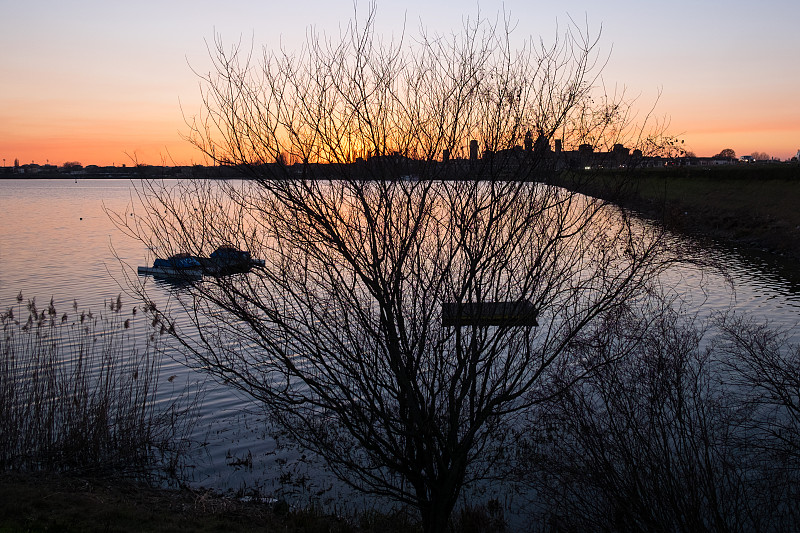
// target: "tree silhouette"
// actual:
[[368, 236], [727, 153], [695, 429]]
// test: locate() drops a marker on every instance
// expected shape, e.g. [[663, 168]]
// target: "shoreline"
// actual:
[[38, 501], [748, 207], [751, 208]]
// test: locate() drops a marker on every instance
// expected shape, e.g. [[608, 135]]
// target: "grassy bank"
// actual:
[[48, 502], [752, 206], [54, 503], [51, 502]]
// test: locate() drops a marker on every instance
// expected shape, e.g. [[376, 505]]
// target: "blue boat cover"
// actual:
[[177, 261]]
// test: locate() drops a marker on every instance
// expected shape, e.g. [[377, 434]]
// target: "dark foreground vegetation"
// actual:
[[607, 405], [84, 447], [54, 502], [78, 393], [47, 502], [689, 425]]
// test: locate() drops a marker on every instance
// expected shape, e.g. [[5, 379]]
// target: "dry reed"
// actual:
[[79, 392]]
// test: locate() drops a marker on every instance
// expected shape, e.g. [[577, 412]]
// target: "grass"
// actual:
[[75, 504], [38, 502], [47, 503], [750, 206]]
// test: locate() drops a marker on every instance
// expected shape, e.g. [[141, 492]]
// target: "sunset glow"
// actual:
[[111, 84]]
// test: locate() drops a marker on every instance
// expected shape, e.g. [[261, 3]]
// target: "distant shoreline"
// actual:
[[748, 206]]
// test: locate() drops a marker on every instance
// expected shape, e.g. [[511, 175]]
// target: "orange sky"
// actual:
[[105, 83]]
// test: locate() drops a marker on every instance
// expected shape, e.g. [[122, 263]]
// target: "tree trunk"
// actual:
[[436, 515]]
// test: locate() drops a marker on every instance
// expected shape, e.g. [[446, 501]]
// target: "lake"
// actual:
[[57, 241]]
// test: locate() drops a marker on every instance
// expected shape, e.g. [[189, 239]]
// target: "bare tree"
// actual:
[[763, 377], [407, 307], [642, 443], [694, 430]]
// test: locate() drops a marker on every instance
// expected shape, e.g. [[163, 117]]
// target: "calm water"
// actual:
[[56, 241]]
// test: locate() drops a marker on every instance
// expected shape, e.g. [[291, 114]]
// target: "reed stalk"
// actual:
[[80, 392]]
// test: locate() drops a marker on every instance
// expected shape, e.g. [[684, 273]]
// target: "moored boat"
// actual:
[[182, 266], [228, 260], [223, 261]]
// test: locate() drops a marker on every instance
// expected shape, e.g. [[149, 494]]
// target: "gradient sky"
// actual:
[[102, 82]]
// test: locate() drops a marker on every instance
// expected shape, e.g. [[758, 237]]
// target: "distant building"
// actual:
[[473, 150], [542, 145]]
